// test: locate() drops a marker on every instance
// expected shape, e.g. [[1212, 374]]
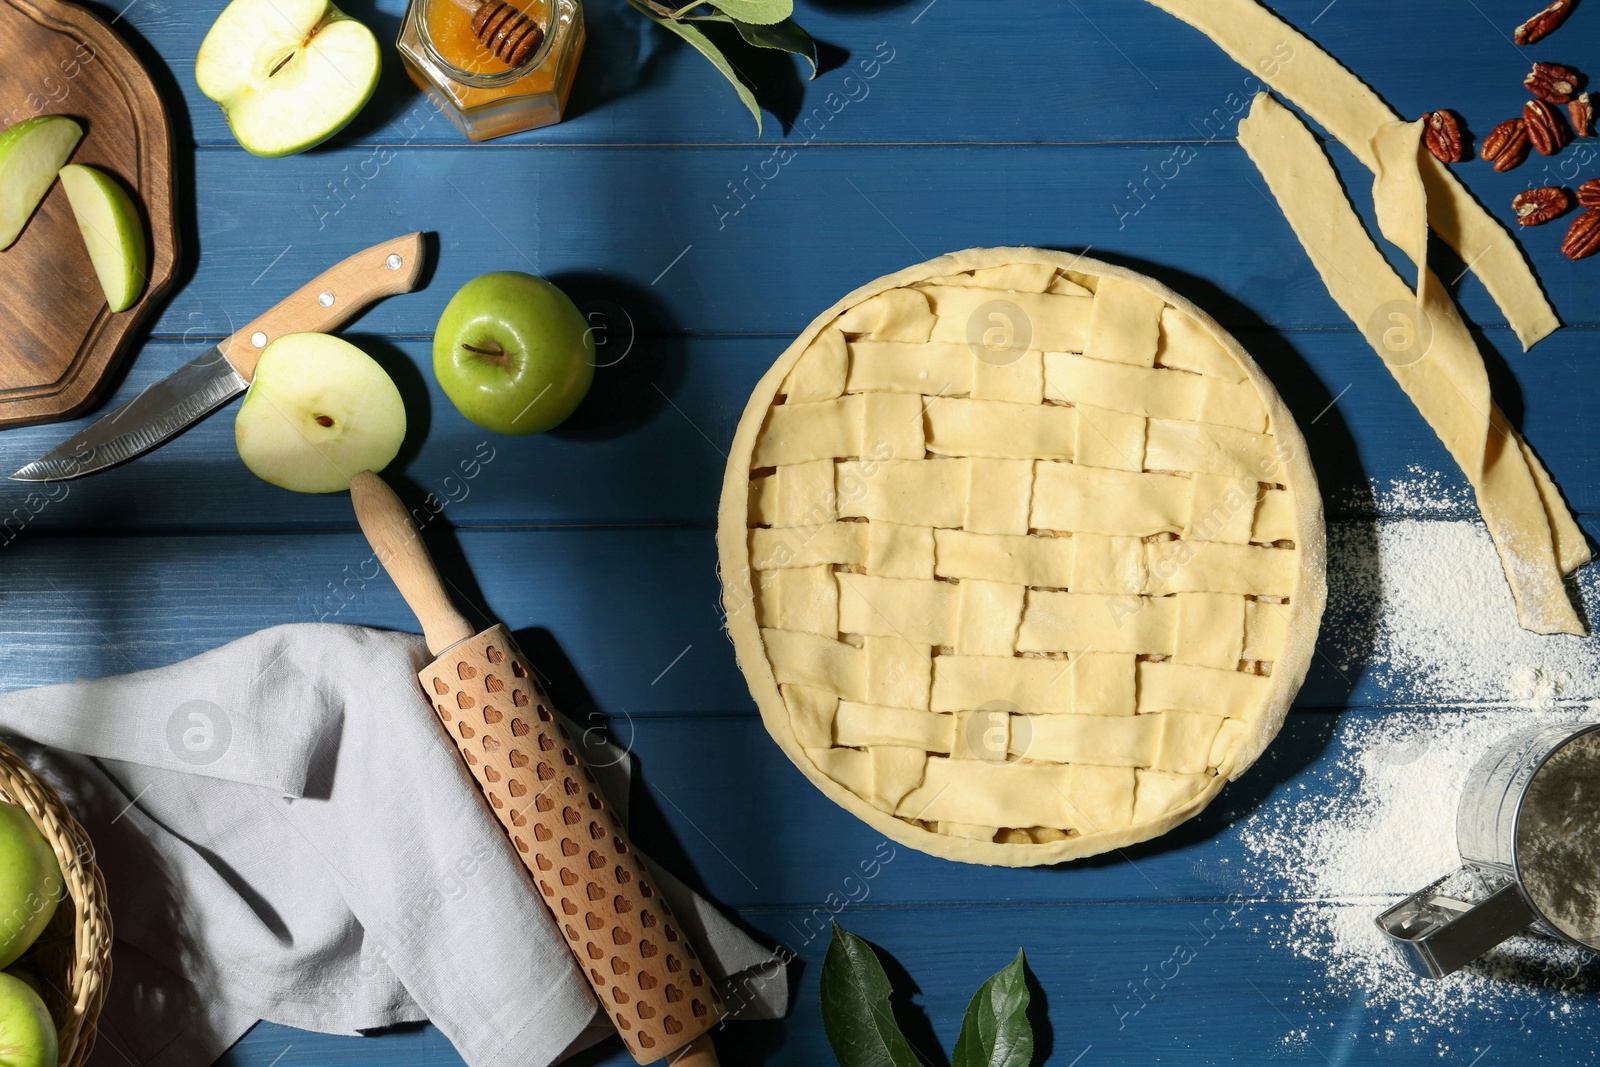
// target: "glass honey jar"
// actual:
[[494, 67]]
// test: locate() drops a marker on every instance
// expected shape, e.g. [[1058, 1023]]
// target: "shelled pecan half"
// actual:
[[1581, 110], [1534, 207], [1543, 24], [1547, 130], [1506, 146], [1441, 132], [1589, 193], [1583, 236], [1552, 82]]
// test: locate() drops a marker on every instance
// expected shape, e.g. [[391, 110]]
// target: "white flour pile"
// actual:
[[1422, 609], [1419, 608]]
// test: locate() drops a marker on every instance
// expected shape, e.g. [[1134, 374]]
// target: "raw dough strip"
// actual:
[[1532, 529], [1347, 108]]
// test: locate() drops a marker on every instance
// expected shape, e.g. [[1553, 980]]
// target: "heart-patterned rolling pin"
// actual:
[[643, 969]]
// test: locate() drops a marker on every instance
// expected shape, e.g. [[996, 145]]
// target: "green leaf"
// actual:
[[855, 1007], [704, 45], [756, 12], [996, 1031], [785, 36]]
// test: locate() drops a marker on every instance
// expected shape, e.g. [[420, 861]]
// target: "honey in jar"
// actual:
[[495, 67]]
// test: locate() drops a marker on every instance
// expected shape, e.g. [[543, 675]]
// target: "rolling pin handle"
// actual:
[[698, 1053], [398, 545]]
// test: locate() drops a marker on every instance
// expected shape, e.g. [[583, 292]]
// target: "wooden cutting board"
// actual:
[[58, 339]]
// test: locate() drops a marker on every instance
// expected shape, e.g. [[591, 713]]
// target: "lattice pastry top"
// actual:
[[1022, 556]]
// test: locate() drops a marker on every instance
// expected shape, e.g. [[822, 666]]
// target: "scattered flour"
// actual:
[[1419, 607], [1422, 609]]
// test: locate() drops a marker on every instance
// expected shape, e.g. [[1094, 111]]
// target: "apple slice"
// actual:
[[112, 231], [318, 411], [31, 152], [288, 74]]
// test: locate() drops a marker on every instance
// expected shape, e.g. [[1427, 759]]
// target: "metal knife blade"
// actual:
[[159, 411], [200, 386]]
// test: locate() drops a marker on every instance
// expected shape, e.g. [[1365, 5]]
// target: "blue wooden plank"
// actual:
[[737, 254], [960, 72], [987, 126], [649, 447], [1191, 984], [611, 610]]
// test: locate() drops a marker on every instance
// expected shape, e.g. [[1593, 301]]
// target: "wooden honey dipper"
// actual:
[[644, 971], [507, 31]]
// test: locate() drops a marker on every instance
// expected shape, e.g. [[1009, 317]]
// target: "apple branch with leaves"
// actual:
[[859, 1019], [760, 23]]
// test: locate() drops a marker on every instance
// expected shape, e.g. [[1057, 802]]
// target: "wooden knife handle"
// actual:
[[398, 544], [644, 971], [331, 299]]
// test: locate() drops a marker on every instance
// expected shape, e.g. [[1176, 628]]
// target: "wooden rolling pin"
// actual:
[[643, 969]]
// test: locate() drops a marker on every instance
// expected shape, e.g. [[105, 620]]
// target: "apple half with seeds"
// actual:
[[31, 152], [112, 230], [288, 74], [319, 411]]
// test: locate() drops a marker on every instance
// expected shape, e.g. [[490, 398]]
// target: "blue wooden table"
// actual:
[[940, 125]]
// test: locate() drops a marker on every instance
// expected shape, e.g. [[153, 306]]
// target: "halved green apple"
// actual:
[[31, 152], [288, 74], [112, 231], [319, 411]]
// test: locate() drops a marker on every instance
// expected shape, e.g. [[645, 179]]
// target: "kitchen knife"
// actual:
[[224, 371], [637, 956]]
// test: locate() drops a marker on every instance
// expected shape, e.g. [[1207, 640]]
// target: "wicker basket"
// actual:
[[74, 952]]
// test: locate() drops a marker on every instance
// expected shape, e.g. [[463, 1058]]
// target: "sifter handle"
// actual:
[[1438, 935], [398, 544]]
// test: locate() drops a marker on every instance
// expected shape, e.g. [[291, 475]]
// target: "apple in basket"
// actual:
[[27, 1033], [30, 888], [30, 883]]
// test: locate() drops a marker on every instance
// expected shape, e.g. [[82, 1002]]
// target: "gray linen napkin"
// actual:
[[287, 834]]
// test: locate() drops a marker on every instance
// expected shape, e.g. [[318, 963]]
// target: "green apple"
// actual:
[[513, 353], [30, 883], [288, 74], [31, 152], [318, 411], [27, 1033], [112, 231], [23, 972]]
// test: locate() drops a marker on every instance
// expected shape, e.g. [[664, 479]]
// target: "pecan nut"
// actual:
[[1583, 236], [1506, 146], [1589, 193], [1441, 132], [1581, 110], [1547, 131], [1534, 207], [1552, 82], [1543, 24]]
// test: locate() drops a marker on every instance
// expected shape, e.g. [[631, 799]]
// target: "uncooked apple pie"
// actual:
[[1022, 556]]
